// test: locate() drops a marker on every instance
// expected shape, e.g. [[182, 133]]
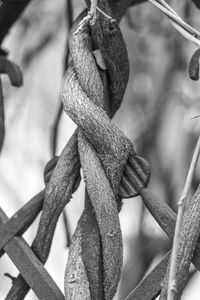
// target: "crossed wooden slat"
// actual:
[[22, 255], [39, 279]]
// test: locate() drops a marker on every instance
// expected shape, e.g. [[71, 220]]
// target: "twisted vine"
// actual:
[[104, 205], [110, 161], [104, 152], [91, 146]]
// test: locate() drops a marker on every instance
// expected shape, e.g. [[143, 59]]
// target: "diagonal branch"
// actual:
[[185, 29], [181, 209], [55, 125]]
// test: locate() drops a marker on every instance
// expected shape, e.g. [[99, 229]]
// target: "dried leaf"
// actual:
[[194, 66]]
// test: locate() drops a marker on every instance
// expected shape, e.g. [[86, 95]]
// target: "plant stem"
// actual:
[[93, 9], [181, 209], [56, 122], [185, 29]]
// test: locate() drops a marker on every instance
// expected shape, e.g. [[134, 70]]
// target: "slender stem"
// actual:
[[91, 16], [67, 228], [2, 121], [55, 125], [166, 5], [93, 8], [185, 29], [105, 15], [181, 209], [54, 131]]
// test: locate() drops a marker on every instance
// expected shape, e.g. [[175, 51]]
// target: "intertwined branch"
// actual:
[[92, 91], [66, 174], [103, 149]]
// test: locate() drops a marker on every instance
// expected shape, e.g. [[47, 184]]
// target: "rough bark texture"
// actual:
[[62, 184], [161, 212], [31, 268], [76, 281], [166, 218], [19, 223], [66, 173], [149, 287], [2, 118], [105, 207], [91, 250], [78, 82], [188, 239]]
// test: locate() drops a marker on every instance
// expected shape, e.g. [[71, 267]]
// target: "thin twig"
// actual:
[[90, 17], [93, 10], [105, 15], [67, 228], [184, 28], [55, 125], [181, 209], [166, 5], [54, 130], [195, 117], [2, 120]]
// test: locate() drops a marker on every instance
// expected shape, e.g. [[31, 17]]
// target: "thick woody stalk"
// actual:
[[174, 286], [187, 242], [59, 188], [181, 209], [80, 111]]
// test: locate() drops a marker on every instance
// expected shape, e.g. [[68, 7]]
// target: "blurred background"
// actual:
[[157, 115]]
